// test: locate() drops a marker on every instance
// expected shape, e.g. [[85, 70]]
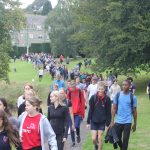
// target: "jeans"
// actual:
[[123, 133]]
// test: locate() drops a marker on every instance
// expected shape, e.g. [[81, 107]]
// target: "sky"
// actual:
[[25, 3]]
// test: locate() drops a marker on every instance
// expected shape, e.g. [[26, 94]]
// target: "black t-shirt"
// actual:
[[4, 141]]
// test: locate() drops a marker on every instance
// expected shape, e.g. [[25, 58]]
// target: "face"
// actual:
[[62, 94], [30, 108], [94, 81], [115, 82], [125, 86], [2, 107], [27, 88], [55, 88], [101, 90], [68, 84], [53, 98], [77, 80]]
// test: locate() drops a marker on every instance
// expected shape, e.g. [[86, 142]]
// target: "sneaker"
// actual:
[[96, 147], [73, 144], [78, 139]]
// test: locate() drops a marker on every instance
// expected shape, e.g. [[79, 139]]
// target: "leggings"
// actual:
[[60, 143]]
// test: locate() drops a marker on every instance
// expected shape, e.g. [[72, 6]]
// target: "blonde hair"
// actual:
[[29, 85], [60, 100]]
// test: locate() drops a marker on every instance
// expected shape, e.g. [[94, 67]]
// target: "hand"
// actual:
[[64, 140], [88, 126], [112, 124], [73, 127], [134, 127]]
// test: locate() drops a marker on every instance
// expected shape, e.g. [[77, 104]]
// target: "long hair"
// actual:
[[3, 100], [12, 133]]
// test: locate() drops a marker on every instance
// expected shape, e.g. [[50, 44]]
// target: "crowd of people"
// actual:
[[72, 95]]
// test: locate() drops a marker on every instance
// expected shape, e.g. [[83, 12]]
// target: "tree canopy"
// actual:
[[47, 7], [11, 18], [118, 32]]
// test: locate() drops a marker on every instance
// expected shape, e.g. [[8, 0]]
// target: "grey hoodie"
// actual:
[[48, 137]]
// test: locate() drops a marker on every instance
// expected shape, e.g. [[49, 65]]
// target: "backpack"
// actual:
[[131, 98], [79, 95]]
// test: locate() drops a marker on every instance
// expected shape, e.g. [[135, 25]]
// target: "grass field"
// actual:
[[25, 73]]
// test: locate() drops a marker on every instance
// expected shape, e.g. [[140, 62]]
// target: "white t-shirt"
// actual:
[[20, 101], [114, 89], [41, 72], [92, 89]]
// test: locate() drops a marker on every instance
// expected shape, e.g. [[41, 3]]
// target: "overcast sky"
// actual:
[[25, 3]]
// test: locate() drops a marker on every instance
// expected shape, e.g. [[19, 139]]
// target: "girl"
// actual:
[[21, 99], [8, 135], [4, 107], [69, 105], [58, 117], [35, 130], [99, 115]]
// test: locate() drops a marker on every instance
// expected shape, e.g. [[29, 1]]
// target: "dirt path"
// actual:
[[83, 134]]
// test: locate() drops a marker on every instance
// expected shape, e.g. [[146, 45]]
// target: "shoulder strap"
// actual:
[[80, 96], [117, 96], [131, 98]]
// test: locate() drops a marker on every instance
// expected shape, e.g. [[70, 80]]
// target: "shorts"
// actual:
[[97, 126]]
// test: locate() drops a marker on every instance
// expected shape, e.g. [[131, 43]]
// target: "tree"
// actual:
[[60, 26], [47, 7], [116, 32], [10, 19]]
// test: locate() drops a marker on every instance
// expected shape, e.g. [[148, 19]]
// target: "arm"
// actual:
[[113, 113], [90, 110], [72, 117], [48, 117], [108, 112], [66, 122], [135, 119], [49, 134]]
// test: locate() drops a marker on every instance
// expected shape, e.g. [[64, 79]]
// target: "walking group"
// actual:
[[108, 109]]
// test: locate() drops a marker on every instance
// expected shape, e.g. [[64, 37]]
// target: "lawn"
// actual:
[[25, 73]]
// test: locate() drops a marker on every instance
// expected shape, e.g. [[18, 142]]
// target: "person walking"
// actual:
[[99, 115], [9, 136], [76, 96], [21, 98], [35, 130], [92, 88], [59, 82], [58, 117], [114, 89], [124, 106]]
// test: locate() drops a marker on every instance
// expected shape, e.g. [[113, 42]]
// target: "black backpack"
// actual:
[[131, 98]]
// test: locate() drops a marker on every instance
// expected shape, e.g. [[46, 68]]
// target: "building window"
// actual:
[[40, 37], [31, 36], [39, 27]]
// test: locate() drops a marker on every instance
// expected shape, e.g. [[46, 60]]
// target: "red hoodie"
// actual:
[[78, 102]]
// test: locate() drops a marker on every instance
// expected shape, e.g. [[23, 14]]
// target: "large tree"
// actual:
[[61, 27], [47, 7], [11, 18], [116, 32]]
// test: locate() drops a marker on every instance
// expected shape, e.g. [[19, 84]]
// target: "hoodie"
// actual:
[[48, 137]]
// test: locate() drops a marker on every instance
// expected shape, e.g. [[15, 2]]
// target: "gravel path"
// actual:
[[83, 134]]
